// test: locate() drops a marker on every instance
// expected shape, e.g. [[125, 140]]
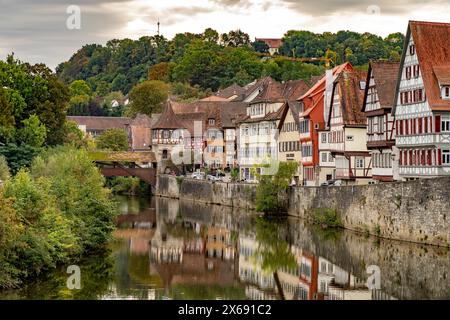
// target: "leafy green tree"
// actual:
[[260, 46], [4, 169], [161, 71], [74, 136], [10, 229], [236, 38], [270, 188], [148, 97], [113, 140], [80, 88], [18, 156], [200, 65], [33, 132], [7, 120], [210, 35]]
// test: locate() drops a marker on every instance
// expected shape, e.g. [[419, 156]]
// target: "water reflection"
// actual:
[[166, 249]]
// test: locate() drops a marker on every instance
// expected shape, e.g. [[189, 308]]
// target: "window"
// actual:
[[359, 163], [165, 154], [304, 126], [408, 72], [211, 122], [416, 71], [324, 157], [324, 137], [380, 124], [350, 138], [330, 158], [412, 50], [166, 134], [446, 93], [306, 151], [362, 85], [446, 157], [445, 124]]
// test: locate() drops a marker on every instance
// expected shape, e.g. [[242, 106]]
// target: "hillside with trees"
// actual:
[[197, 63]]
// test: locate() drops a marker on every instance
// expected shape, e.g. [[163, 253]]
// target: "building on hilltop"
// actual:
[[274, 44]]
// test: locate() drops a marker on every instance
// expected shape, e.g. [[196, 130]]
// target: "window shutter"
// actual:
[[438, 124], [440, 157]]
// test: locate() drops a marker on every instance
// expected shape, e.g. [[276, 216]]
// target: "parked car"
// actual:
[[213, 178], [198, 175], [332, 183]]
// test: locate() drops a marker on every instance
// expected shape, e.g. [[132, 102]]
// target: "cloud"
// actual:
[[328, 7]]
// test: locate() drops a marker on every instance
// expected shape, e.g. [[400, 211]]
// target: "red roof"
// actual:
[[272, 43], [385, 74], [351, 96], [433, 51]]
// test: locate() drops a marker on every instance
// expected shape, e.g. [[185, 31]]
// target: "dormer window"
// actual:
[[211, 121], [362, 85], [446, 92]]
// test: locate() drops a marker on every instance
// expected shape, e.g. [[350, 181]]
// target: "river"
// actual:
[[170, 249]]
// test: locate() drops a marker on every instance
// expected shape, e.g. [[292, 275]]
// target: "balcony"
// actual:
[[423, 139]]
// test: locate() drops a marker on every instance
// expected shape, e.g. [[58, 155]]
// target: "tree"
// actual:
[[161, 71], [74, 136], [113, 140], [270, 188], [199, 65], [148, 97], [235, 38], [33, 132], [4, 169], [80, 87], [7, 120], [260, 46], [210, 35]]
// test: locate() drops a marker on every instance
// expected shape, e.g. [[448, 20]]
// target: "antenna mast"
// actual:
[[159, 24]]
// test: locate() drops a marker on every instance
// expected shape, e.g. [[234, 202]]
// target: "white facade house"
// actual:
[[422, 110], [346, 138], [378, 102]]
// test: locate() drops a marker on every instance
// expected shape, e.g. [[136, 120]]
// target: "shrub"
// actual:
[[270, 188], [327, 218]]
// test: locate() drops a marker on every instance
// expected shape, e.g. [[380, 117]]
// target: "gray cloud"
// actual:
[[327, 7], [36, 30]]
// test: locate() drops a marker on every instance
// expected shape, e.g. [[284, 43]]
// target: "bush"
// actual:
[[51, 214], [327, 218], [270, 187], [113, 140], [4, 169]]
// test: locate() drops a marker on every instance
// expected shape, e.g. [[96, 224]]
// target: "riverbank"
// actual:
[[414, 211]]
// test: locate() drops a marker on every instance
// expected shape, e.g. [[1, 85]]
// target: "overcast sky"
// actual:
[[36, 30]]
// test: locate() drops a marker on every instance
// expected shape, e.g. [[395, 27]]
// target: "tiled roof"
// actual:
[[273, 91], [101, 123], [183, 115], [351, 95], [214, 98], [233, 90], [320, 85], [433, 50], [272, 43], [385, 74], [442, 73]]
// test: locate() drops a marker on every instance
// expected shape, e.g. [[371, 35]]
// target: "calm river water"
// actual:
[[169, 249]]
